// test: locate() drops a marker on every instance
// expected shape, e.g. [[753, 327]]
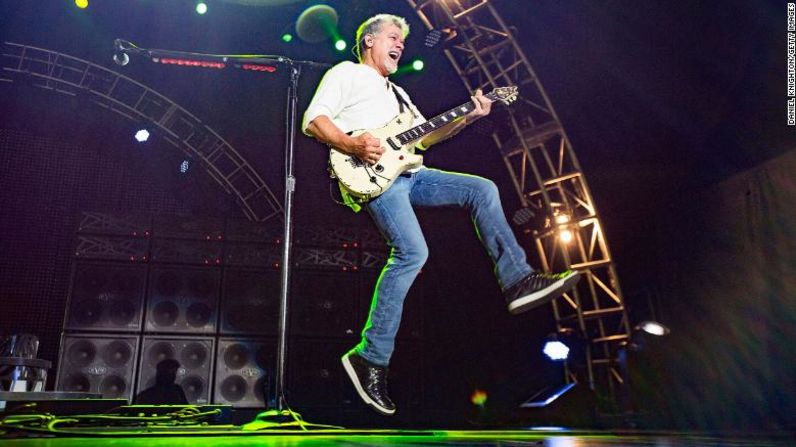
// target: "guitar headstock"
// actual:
[[506, 95]]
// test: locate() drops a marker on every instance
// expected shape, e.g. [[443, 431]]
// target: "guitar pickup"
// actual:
[[393, 145]]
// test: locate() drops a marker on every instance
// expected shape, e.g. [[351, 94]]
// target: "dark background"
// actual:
[[662, 102]]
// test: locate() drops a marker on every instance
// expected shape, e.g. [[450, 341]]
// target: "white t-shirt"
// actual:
[[356, 97]]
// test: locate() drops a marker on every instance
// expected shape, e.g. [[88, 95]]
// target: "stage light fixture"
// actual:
[[565, 344], [478, 398], [317, 23], [82, 4], [189, 62], [555, 350], [201, 8], [287, 37], [258, 67], [142, 135], [184, 166], [433, 37], [340, 45], [523, 216], [418, 65], [547, 396], [562, 218], [645, 333], [566, 236], [652, 328]]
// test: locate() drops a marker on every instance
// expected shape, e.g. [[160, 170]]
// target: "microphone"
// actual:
[[121, 59], [120, 56]]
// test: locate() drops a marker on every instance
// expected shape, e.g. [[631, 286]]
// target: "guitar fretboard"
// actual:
[[438, 121]]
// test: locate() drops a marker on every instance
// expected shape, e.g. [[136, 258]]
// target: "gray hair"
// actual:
[[373, 26]]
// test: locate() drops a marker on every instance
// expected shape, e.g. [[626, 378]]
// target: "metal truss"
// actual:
[[328, 236], [345, 260], [112, 248], [483, 51], [184, 240], [114, 92], [126, 225], [373, 260]]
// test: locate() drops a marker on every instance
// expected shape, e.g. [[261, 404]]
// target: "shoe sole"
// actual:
[[545, 295], [349, 369]]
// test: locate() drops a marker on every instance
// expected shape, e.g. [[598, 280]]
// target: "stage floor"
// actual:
[[233, 436]]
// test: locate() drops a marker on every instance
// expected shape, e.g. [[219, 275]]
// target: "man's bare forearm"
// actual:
[[443, 133], [325, 131], [482, 104], [363, 146]]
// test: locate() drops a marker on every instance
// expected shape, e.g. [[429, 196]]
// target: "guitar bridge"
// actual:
[[355, 162]]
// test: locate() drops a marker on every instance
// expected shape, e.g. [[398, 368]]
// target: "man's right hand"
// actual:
[[363, 146], [366, 148]]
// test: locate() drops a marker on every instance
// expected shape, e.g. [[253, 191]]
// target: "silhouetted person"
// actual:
[[165, 391]]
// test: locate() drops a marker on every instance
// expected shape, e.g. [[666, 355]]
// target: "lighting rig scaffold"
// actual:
[[485, 54], [68, 75]]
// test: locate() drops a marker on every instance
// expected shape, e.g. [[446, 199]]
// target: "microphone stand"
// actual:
[[290, 188], [282, 411]]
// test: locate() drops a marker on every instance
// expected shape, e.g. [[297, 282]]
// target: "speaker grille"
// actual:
[[316, 374], [98, 364], [195, 355], [106, 297], [324, 304], [244, 371], [182, 299], [250, 302]]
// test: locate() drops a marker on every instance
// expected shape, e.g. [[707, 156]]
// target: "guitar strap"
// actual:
[[401, 101]]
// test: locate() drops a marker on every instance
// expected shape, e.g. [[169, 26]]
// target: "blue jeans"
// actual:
[[394, 216]]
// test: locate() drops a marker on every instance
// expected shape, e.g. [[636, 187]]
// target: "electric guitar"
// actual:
[[398, 137]]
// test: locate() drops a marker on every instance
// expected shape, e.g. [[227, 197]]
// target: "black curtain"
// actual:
[[726, 279]]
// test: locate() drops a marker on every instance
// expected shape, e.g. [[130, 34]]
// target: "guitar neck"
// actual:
[[438, 121]]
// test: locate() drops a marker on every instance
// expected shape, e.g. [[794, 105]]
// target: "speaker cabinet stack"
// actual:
[[103, 364], [245, 371], [316, 374], [99, 348], [324, 304], [250, 302], [106, 298], [205, 292], [195, 355], [182, 299]]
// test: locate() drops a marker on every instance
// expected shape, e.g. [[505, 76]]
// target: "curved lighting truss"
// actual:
[[114, 92], [547, 176]]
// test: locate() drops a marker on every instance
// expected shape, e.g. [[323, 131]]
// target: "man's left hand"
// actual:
[[483, 106]]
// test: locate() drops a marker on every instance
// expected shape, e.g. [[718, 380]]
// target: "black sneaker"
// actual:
[[538, 288], [370, 382]]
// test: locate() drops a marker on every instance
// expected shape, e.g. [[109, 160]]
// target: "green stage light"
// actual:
[[478, 397], [409, 67], [201, 8], [317, 23], [340, 45], [287, 37]]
